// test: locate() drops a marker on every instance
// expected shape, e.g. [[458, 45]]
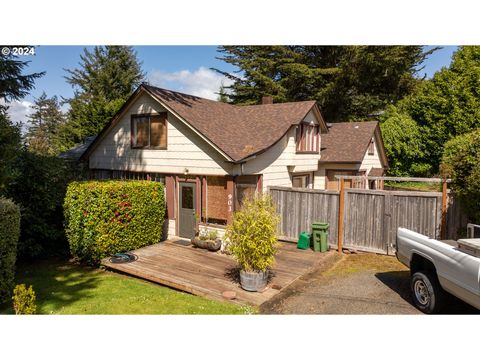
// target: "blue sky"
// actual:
[[181, 68]]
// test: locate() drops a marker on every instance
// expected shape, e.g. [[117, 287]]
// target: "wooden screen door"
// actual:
[[187, 207]]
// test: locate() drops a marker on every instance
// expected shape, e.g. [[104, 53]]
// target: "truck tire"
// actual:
[[428, 295]]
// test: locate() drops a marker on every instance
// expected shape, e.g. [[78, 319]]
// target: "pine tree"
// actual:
[[14, 85], [107, 76], [45, 123], [349, 82]]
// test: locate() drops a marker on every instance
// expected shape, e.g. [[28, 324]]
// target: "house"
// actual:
[[210, 154]]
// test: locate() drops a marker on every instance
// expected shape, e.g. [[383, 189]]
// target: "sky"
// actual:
[[180, 68]]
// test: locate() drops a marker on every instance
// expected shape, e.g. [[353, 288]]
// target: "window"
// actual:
[[245, 186], [300, 181], [307, 138], [149, 131], [371, 147], [217, 200]]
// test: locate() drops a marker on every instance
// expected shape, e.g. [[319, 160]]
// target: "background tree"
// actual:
[[403, 143], [14, 85], [349, 82], [461, 162], [107, 76], [45, 121], [446, 106]]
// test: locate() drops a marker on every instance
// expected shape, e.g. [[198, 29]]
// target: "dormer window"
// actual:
[[149, 131], [307, 138]]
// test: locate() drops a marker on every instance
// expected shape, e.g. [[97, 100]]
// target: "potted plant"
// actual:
[[207, 240], [252, 241]]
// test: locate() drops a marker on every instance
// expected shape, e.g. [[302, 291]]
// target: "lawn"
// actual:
[[413, 186], [67, 288]]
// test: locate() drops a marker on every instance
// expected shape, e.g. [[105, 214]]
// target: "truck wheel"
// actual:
[[427, 293]]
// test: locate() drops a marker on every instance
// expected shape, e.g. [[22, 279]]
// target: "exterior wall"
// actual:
[[371, 161], [368, 162], [273, 163], [320, 176], [171, 228], [185, 149]]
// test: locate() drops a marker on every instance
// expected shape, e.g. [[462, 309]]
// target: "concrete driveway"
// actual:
[[354, 284]]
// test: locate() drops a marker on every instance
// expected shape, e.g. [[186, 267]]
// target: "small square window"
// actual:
[[149, 131]]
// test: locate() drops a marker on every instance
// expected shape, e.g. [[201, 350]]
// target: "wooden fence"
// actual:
[[370, 217]]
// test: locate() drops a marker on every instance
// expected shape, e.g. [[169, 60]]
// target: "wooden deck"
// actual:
[[177, 264]]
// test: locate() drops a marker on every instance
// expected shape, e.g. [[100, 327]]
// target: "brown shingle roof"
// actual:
[[239, 131], [347, 142]]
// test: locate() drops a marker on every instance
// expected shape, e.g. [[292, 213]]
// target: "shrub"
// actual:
[[461, 162], [24, 300], [106, 217], [251, 238], [40, 192], [9, 233]]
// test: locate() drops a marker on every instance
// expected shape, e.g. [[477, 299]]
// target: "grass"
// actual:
[[365, 262], [415, 186], [66, 288]]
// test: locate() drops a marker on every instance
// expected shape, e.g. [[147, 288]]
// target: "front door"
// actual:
[[186, 226]]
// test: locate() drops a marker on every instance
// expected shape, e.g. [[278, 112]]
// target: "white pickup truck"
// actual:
[[437, 266]]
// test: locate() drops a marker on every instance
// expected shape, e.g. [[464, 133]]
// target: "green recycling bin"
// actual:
[[320, 236], [303, 240]]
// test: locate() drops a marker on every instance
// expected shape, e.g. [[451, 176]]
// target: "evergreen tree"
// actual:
[[45, 123], [222, 94], [349, 82], [107, 76], [14, 85]]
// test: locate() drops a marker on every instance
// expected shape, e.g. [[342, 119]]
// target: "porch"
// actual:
[[177, 264]]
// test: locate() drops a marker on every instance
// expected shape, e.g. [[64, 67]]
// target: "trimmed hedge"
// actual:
[[9, 234], [106, 217]]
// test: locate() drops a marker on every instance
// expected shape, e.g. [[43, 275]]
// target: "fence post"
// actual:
[[443, 231], [340, 215]]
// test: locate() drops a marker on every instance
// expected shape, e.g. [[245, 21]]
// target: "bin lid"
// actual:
[[319, 225]]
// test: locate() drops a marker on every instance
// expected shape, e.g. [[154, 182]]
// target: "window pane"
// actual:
[[187, 197], [158, 133], [140, 128]]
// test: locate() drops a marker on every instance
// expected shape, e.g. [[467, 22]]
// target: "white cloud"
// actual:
[[202, 82], [18, 111]]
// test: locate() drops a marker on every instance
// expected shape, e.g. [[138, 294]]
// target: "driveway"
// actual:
[[354, 284]]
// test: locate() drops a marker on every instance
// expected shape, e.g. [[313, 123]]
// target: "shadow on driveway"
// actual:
[[399, 281]]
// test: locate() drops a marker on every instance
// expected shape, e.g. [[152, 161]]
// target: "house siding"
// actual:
[[185, 149], [273, 163], [368, 162]]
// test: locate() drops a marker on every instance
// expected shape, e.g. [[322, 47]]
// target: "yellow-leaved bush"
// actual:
[[106, 217], [251, 237]]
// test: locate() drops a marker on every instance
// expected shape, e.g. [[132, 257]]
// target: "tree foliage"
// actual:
[[403, 143], [106, 77], [461, 162], [45, 122], [349, 82], [10, 144], [40, 191], [14, 85], [448, 105]]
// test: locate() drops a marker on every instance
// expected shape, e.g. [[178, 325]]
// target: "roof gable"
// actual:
[[348, 142], [237, 132]]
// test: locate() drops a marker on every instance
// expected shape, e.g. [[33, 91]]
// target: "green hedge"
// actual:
[[9, 233], [106, 217]]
